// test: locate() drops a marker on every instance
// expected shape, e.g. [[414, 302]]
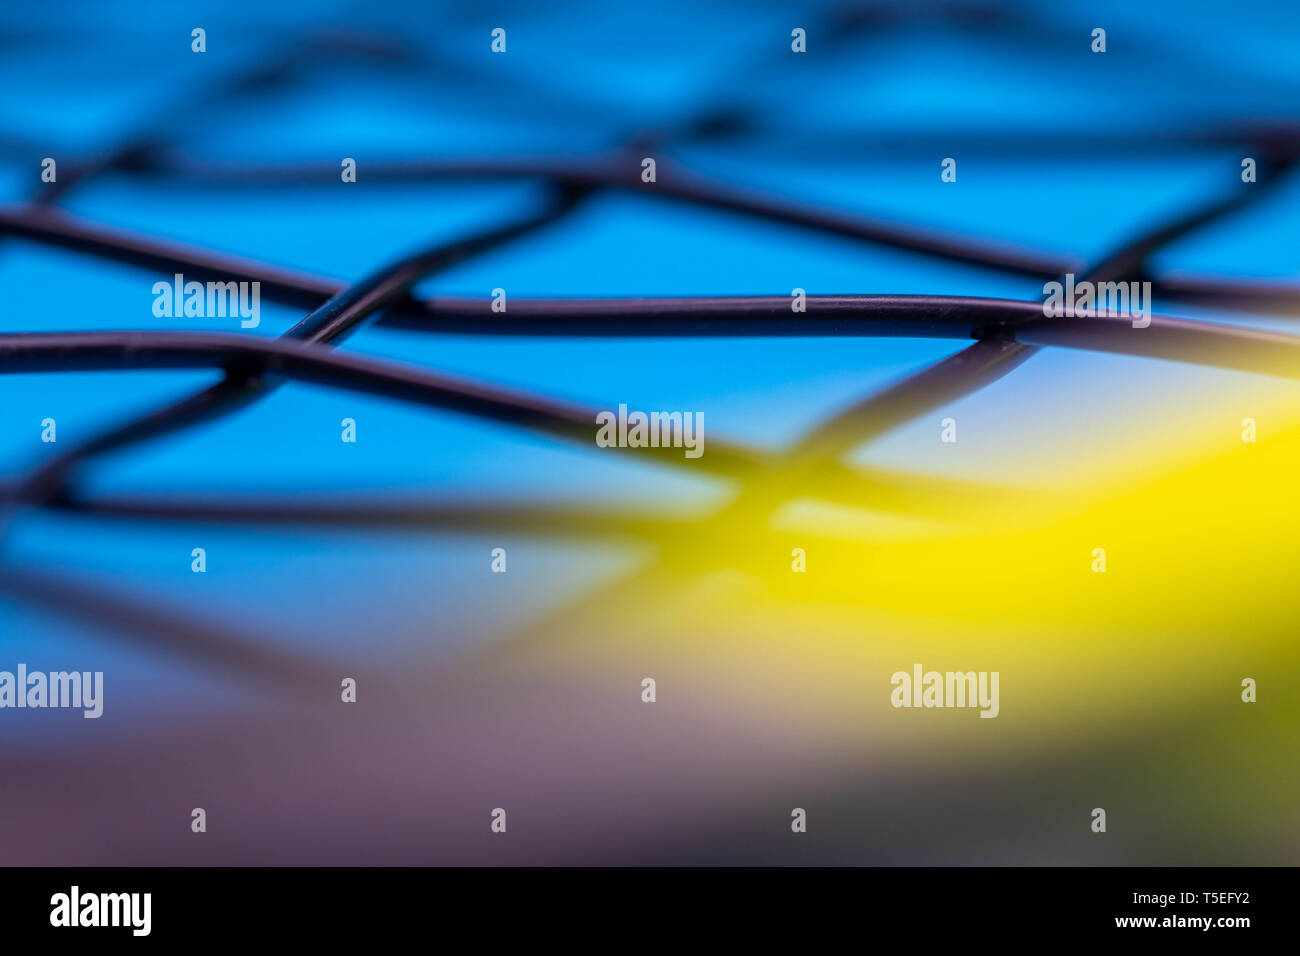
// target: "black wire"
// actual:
[[340, 315]]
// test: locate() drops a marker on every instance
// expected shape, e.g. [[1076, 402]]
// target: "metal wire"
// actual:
[[1002, 334]]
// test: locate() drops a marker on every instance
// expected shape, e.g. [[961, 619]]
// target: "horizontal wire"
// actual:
[[907, 493], [1194, 342], [1007, 331], [1001, 349], [310, 362], [337, 317], [303, 290]]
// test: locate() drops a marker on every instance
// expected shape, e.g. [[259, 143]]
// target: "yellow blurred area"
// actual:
[[1144, 661]]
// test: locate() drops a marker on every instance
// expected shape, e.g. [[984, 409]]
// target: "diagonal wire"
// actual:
[[1006, 336], [342, 314], [978, 365]]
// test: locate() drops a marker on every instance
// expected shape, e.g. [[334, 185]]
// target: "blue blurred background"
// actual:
[[1058, 150]]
